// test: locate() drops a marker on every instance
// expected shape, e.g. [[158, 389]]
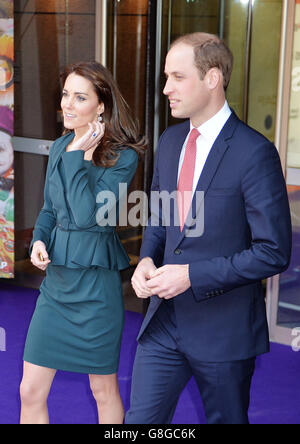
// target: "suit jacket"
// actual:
[[246, 238], [68, 223]]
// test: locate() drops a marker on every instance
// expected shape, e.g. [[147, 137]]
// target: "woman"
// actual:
[[78, 321]]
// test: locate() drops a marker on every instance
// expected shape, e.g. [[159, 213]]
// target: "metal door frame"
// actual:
[[282, 335]]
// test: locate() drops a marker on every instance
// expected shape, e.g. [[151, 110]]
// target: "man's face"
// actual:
[[188, 94]]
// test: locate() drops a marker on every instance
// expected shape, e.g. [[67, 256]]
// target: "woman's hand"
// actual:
[[90, 140], [39, 255]]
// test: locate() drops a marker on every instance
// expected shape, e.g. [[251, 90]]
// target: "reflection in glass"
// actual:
[[127, 55], [264, 66], [289, 301], [230, 20], [235, 30], [293, 158], [182, 17], [288, 314], [48, 36]]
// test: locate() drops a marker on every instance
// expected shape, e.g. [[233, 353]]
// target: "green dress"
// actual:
[[78, 321]]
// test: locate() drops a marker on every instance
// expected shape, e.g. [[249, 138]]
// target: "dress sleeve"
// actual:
[[46, 220], [82, 199]]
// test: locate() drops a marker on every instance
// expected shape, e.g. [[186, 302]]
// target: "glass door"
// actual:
[[129, 37], [48, 36], [241, 23], [284, 290]]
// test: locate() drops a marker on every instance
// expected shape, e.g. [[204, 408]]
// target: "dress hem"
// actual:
[[79, 369]]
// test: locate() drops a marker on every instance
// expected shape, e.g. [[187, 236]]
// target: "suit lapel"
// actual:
[[212, 163], [177, 144]]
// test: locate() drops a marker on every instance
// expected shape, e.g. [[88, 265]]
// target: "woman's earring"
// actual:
[[100, 118]]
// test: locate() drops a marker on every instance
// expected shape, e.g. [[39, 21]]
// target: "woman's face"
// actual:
[[6, 153], [80, 103]]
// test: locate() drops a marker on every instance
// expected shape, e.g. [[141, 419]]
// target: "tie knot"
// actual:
[[194, 135]]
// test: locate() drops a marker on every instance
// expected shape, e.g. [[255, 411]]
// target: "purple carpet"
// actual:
[[275, 395]]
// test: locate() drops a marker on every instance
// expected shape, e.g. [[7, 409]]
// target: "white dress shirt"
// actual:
[[209, 132]]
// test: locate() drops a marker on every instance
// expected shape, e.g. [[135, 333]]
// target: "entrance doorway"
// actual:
[[130, 37], [284, 290], [252, 92], [48, 36]]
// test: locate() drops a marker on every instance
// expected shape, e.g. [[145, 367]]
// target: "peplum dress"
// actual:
[[78, 320]]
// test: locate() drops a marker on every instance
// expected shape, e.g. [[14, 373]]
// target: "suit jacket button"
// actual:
[[178, 251]]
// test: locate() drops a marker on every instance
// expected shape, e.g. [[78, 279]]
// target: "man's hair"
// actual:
[[210, 52]]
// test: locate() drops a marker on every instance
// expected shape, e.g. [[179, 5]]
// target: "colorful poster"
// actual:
[[6, 133]]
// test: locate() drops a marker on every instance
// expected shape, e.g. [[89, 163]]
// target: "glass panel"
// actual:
[[235, 31], [262, 98], [183, 17], [48, 36], [288, 314], [127, 41], [229, 19], [256, 101], [293, 158], [29, 181], [225, 18], [289, 301], [127, 57]]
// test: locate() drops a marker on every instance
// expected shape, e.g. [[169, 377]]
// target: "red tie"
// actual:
[[186, 178]]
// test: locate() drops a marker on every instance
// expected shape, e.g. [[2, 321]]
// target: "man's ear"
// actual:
[[214, 78]]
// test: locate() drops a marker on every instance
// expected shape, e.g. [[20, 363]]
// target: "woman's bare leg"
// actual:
[[34, 391], [106, 392]]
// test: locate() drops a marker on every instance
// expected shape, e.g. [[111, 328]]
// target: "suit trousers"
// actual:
[[162, 369]]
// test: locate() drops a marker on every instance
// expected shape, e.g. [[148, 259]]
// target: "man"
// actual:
[[207, 313]]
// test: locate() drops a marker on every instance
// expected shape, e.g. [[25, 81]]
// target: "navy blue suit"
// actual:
[[246, 238]]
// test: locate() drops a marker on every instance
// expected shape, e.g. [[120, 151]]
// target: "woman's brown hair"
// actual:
[[121, 131]]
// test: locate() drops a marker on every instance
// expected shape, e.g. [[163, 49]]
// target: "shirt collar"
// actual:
[[212, 127]]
